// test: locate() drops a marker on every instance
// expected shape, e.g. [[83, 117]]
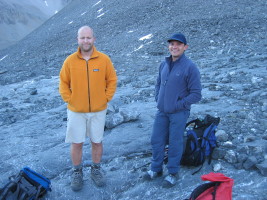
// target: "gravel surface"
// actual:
[[227, 40]]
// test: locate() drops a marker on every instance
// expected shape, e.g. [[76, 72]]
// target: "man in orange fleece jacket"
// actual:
[[87, 83]]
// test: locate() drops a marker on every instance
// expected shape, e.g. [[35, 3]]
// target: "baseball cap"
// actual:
[[178, 37]]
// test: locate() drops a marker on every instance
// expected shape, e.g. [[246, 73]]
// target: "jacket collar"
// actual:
[[94, 54], [169, 58]]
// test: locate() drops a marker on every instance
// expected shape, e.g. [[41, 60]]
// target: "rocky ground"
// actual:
[[227, 40]]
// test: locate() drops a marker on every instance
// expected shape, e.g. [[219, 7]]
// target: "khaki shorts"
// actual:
[[82, 125]]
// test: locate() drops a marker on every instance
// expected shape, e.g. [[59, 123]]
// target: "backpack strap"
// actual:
[[209, 120], [11, 186], [201, 188], [23, 195], [206, 136], [203, 152], [215, 190], [6, 189], [38, 192], [191, 122]]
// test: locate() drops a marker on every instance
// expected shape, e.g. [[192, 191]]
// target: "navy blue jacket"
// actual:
[[177, 88]]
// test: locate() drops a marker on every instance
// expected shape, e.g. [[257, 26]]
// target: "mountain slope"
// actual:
[[19, 18], [230, 27]]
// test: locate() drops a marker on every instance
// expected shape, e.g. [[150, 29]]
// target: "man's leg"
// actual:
[[77, 175], [76, 129], [97, 151], [176, 135], [96, 127], [158, 140], [96, 173], [76, 153]]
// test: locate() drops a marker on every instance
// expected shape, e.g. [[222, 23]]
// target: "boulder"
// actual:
[[262, 167], [250, 162], [221, 136]]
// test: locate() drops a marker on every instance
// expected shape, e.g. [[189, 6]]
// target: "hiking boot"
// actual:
[[170, 180], [150, 175], [77, 179], [97, 175]]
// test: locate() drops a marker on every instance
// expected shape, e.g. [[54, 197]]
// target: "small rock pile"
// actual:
[[248, 155]]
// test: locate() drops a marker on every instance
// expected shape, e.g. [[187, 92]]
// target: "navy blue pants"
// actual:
[[168, 129]]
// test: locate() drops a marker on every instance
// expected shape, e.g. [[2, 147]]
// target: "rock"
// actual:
[[230, 156], [227, 144], [257, 148], [217, 167], [113, 120], [238, 165], [129, 115], [4, 98], [3, 71], [237, 99], [112, 108], [140, 125], [27, 100], [262, 167], [243, 149], [241, 157], [250, 138], [221, 136], [218, 153], [33, 92], [250, 162]]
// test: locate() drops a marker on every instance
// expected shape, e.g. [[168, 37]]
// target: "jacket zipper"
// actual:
[[87, 67]]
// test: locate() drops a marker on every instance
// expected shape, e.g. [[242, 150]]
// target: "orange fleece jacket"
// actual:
[[87, 86]]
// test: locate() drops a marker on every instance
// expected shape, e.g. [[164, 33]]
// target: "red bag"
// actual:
[[219, 188]]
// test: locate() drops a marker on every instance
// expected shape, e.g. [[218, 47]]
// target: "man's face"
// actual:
[[86, 39], [177, 48]]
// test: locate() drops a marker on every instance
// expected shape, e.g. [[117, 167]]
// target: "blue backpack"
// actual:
[[27, 185], [200, 141]]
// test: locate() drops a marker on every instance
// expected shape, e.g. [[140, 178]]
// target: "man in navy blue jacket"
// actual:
[[178, 87]]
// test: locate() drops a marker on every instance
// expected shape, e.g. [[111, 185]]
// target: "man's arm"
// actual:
[[111, 80], [64, 83], [157, 86], [194, 87]]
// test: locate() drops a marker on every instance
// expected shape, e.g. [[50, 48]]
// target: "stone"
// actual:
[[230, 156], [227, 144], [238, 165], [113, 120], [250, 138], [217, 167], [250, 162], [221, 136], [112, 109], [129, 115], [262, 167], [243, 149], [218, 153], [241, 157], [34, 92]]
